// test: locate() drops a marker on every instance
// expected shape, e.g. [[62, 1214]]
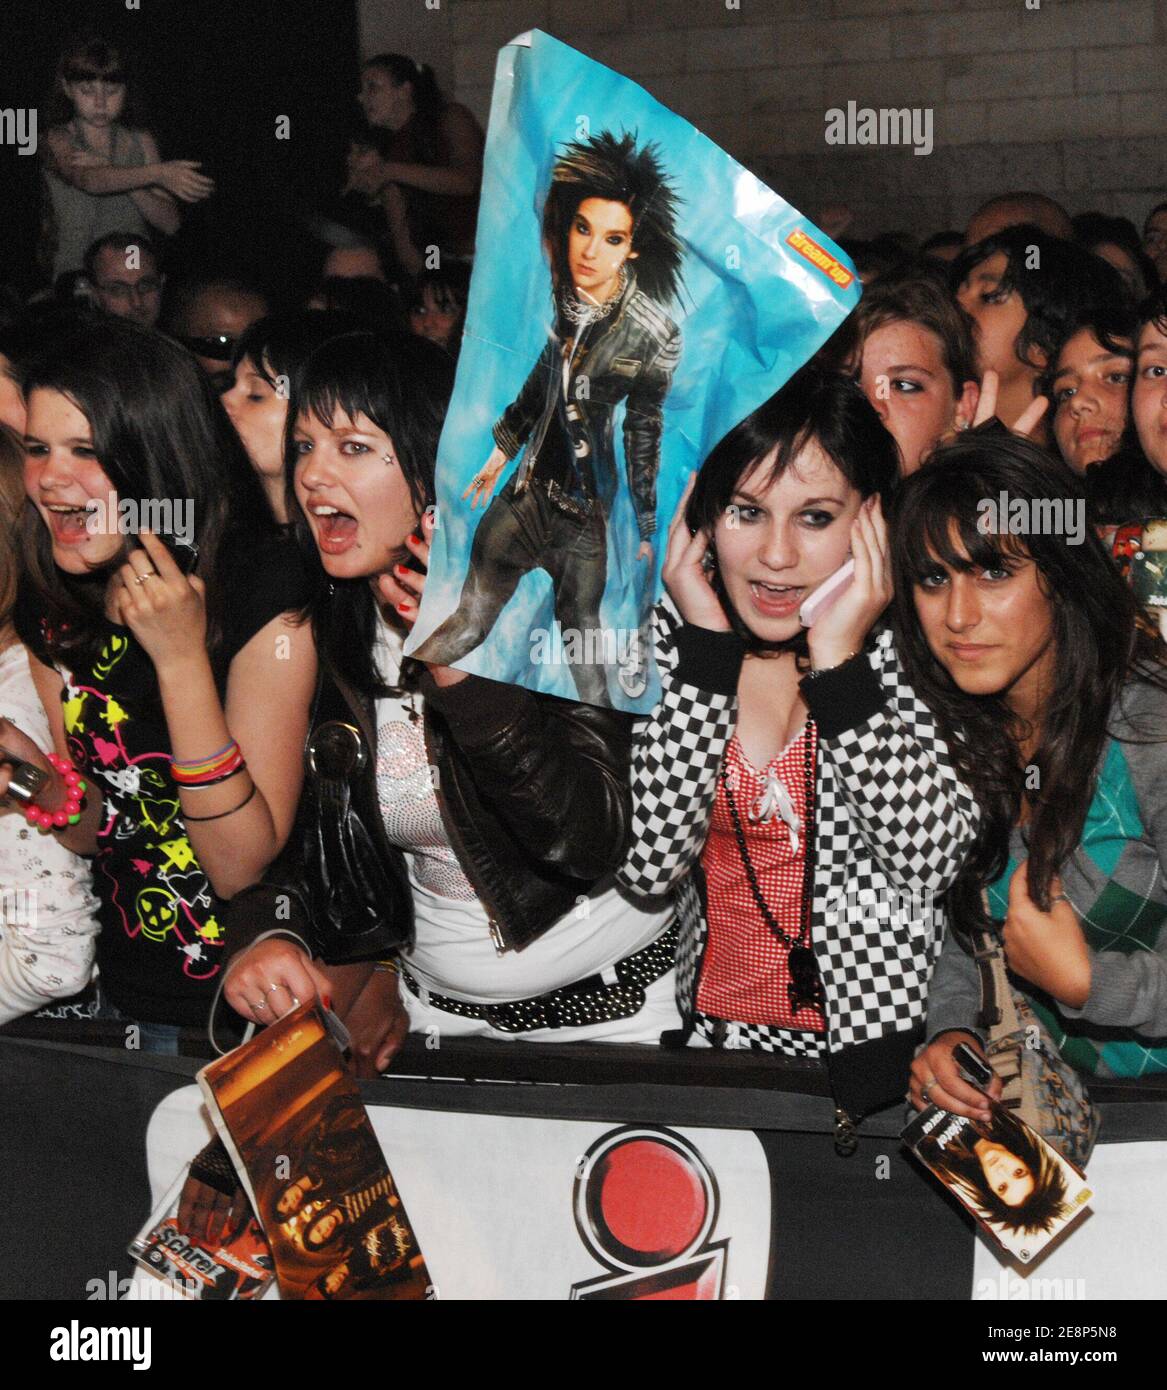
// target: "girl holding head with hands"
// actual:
[[790, 789]]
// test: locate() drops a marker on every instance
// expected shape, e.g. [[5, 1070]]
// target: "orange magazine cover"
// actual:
[[295, 1125]]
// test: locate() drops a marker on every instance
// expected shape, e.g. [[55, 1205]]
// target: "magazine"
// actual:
[[238, 1267], [1017, 1187], [1149, 565], [294, 1123]]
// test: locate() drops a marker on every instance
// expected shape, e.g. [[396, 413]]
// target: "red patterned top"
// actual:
[[744, 973]]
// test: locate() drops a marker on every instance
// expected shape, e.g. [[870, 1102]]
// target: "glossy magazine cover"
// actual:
[[636, 293], [238, 1267], [1017, 1187], [294, 1123]]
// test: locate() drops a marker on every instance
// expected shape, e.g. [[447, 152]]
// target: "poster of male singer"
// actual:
[[635, 294]]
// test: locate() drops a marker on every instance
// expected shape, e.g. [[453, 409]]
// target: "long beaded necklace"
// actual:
[[805, 988]]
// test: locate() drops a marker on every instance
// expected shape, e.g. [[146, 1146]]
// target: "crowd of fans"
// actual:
[[974, 731]]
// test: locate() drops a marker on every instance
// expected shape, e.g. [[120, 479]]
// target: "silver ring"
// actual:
[[260, 1004], [271, 989], [926, 1091], [150, 574]]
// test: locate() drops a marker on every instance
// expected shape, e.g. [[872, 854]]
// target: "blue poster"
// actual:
[[635, 294]]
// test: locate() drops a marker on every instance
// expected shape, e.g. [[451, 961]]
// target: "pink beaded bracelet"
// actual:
[[70, 813]]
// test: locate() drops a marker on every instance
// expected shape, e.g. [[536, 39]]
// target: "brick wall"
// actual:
[[1069, 98]]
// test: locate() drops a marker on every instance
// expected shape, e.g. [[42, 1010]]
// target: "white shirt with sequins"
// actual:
[[48, 913], [454, 953]]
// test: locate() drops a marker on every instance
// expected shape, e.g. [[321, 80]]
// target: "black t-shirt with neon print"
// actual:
[[161, 938]]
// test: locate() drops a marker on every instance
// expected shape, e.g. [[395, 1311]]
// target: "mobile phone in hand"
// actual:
[[973, 1067], [184, 553], [826, 594], [27, 782]]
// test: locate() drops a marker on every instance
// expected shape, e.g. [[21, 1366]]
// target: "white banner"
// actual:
[[518, 1208], [1113, 1252]]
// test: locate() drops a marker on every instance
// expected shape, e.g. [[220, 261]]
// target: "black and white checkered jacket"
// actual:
[[893, 825]]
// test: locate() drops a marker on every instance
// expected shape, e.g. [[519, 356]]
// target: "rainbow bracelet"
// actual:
[[226, 760]]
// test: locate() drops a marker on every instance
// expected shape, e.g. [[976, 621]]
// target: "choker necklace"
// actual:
[[806, 987], [585, 311]]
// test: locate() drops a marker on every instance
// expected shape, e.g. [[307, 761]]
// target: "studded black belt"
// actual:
[[578, 507], [587, 1001]]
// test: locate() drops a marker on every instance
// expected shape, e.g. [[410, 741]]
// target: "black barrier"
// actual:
[[75, 1187]]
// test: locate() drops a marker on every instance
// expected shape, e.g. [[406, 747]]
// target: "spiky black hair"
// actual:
[[604, 166]]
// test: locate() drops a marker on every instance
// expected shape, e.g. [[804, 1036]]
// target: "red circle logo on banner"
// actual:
[[644, 1197]]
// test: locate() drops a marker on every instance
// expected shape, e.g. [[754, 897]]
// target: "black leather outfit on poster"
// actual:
[[553, 514]]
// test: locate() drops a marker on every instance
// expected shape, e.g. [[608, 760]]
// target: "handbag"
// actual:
[[354, 880], [1038, 1084]]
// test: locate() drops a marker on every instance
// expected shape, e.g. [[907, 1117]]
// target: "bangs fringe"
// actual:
[[942, 528], [83, 70]]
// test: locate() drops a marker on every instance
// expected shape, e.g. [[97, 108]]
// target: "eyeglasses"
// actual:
[[219, 347], [122, 291]]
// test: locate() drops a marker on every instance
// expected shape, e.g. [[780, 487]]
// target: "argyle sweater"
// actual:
[[892, 828], [1115, 883]]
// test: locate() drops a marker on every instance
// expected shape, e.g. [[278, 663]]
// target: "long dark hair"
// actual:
[[1128, 487], [12, 505], [159, 432], [1099, 646], [1112, 323], [603, 166], [815, 404], [279, 345], [959, 1163], [425, 125], [1153, 309], [1058, 283], [403, 385]]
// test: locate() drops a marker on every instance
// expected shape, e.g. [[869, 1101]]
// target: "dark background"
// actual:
[[212, 77]]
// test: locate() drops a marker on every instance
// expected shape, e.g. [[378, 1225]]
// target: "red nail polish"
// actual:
[[400, 569], [415, 539], [404, 607], [327, 1001]]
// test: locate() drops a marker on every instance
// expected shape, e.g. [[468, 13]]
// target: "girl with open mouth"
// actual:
[[790, 789]]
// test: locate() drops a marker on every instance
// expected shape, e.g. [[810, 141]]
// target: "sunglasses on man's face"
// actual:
[[219, 347]]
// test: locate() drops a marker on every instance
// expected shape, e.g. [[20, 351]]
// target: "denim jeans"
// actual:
[[150, 1037], [517, 535]]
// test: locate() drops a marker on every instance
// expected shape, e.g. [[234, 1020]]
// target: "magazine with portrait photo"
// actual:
[[1017, 1187]]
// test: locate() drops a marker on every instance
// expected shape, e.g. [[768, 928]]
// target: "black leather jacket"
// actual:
[[534, 795], [631, 355]]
